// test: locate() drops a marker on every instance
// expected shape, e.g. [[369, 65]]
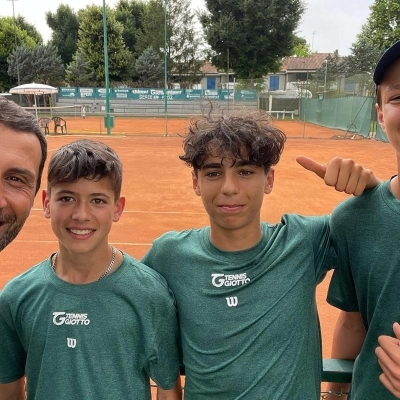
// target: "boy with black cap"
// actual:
[[365, 286]]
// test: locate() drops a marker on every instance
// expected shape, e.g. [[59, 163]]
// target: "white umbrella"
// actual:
[[35, 89]]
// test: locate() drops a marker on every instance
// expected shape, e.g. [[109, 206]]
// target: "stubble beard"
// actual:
[[12, 229]]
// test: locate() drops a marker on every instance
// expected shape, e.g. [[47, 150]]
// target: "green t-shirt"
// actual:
[[366, 232], [248, 319], [101, 340]]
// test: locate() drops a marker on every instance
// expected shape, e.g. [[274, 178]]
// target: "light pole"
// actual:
[[15, 43], [326, 71], [107, 119], [165, 69]]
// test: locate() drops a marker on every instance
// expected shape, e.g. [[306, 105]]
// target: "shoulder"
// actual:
[[297, 222], [144, 276]]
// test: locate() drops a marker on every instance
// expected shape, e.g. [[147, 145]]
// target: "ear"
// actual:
[[269, 181], [380, 117], [195, 183], [46, 204], [119, 208]]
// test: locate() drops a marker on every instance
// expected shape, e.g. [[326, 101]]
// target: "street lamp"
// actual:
[[165, 69], [108, 117], [15, 42], [326, 71]]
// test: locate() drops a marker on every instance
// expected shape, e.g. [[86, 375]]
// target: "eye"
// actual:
[[98, 201], [212, 174], [246, 172], [66, 199]]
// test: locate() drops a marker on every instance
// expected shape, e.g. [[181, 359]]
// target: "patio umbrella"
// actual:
[[35, 89]]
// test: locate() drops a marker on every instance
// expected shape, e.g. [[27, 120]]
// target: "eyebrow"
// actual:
[[72, 193], [392, 87], [238, 163]]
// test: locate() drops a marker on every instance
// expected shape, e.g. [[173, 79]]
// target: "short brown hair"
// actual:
[[88, 159]]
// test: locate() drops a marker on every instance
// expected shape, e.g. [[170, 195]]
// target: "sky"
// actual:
[[327, 25]]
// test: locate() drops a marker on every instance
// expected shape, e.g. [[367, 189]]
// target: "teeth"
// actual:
[[80, 232]]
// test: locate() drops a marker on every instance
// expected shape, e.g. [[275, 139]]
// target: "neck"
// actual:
[[395, 186], [235, 240], [85, 268]]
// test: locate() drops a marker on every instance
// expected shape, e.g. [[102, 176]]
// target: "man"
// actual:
[[365, 286], [23, 150], [89, 322], [245, 289]]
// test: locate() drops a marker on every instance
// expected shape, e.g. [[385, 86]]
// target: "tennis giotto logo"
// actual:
[[219, 280], [63, 318]]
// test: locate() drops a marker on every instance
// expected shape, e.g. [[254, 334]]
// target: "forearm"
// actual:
[[348, 338], [173, 394], [13, 391]]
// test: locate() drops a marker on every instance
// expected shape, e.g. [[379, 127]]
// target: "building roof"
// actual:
[[315, 61], [208, 68]]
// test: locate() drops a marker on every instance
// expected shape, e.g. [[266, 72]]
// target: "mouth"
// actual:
[[231, 207], [80, 232]]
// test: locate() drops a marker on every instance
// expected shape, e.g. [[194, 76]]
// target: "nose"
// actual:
[[230, 184], [81, 212]]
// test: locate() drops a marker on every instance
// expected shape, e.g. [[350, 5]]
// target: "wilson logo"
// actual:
[[71, 343], [232, 301]]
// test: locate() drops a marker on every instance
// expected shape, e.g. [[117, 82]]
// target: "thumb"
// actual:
[[311, 165], [396, 330]]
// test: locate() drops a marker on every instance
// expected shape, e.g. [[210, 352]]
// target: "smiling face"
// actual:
[[82, 213], [19, 168], [389, 110], [232, 196]]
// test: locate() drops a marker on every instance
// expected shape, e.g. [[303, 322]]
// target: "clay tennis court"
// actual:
[[159, 195]]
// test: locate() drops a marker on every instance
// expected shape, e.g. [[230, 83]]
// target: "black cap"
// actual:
[[388, 58]]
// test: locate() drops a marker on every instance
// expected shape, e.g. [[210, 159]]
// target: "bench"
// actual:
[[44, 124], [284, 112], [60, 122]]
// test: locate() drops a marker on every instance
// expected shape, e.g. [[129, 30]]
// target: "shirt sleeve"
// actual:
[[342, 293], [12, 352], [165, 363]]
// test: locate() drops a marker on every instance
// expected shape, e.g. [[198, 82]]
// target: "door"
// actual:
[[211, 81]]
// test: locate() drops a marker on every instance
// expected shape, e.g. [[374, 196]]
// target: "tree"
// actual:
[[78, 72], [41, 64], [258, 33], [300, 47], [383, 25], [29, 28], [7, 45], [91, 42], [64, 24], [149, 67], [333, 68], [183, 41], [130, 14]]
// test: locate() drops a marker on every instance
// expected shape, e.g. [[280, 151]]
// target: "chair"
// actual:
[[59, 122], [44, 124]]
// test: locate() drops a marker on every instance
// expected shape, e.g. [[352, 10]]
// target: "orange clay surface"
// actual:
[[159, 195]]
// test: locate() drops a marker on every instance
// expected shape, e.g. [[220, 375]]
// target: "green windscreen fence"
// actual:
[[352, 114]]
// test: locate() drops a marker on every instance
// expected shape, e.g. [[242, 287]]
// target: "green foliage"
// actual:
[[29, 28], [64, 24], [149, 67], [78, 71], [91, 42], [383, 25], [41, 64], [300, 47], [258, 33], [183, 43], [130, 13], [7, 45]]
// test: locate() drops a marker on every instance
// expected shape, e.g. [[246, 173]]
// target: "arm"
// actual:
[[388, 354], [348, 338], [173, 394], [344, 174], [13, 391]]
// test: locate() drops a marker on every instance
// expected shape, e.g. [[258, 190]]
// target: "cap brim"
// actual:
[[388, 58]]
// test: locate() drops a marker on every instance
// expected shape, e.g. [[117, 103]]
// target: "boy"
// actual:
[[90, 322], [365, 286], [245, 289], [23, 150]]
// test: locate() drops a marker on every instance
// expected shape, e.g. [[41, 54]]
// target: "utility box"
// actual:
[[109, 121]]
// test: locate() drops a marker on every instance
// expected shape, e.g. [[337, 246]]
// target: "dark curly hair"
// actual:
[[248, 136]]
